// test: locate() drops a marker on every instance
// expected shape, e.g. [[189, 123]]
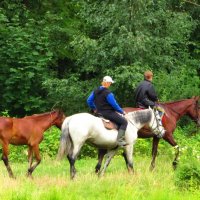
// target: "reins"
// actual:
[[132, 122]]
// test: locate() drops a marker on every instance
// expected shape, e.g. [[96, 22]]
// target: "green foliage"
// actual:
[[188, 172], [124, 42], [187, 175], [88, 151], [56, 52], [50, 144], [178, 84], [24, 54], [67, 94], [29, 44]]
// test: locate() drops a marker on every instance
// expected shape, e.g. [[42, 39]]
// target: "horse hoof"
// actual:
[[72, 177], [174, 164], [130, 171], [100, 174], [28, 175], [151, 169], [174, 167]]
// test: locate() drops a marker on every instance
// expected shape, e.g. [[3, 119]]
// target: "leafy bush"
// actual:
[[50, 144], [187, 174], [88, 151]]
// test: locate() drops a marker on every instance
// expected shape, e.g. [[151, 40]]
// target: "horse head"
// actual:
[[194, 111], [59, 118]]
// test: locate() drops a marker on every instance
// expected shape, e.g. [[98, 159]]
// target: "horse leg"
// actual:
[[169, 138], [154, 152], [175, 162], [30, 159], [101, 154], [5, 159], [31, 168], [125, 158], [72, 159], [72, 166], [109, 156], [128, 156]]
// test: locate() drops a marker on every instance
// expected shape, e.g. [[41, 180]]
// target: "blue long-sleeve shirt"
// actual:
[[110, 98]]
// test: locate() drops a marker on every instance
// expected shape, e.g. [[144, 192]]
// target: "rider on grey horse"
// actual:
[[103, 101], [145, 96]]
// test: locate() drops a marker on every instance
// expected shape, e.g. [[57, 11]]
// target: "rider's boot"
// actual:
[[121, 138]]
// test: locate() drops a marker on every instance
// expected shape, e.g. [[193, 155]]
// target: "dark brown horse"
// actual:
[[173, 112], [27, 131]]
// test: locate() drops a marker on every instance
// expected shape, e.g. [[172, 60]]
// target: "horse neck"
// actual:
[[47, 119], [179, 108], [140, 118]]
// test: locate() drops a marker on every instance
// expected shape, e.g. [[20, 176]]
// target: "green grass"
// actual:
[[52, 182]]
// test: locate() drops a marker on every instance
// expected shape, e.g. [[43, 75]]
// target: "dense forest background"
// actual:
[[54, 53]]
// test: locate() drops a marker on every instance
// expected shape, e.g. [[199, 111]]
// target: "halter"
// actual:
[[160, 134]]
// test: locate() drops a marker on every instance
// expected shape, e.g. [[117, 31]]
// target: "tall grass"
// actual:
[[52, 182]]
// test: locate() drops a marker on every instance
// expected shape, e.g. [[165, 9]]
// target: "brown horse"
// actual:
[[173, 112], [27, 131]]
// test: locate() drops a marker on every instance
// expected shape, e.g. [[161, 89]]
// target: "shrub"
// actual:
[[187, 174]]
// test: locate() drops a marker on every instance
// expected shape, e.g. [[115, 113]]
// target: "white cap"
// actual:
[[108, 79]]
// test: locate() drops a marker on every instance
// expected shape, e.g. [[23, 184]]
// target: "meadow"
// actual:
[[52, 182]]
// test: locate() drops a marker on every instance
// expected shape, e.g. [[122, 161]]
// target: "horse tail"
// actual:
[[65, 141]]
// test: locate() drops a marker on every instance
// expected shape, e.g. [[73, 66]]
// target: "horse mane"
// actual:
[[142, 116], [173, 102], [44, 114]]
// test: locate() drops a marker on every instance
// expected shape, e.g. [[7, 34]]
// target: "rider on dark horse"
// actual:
[[145, 95], [103, 101]]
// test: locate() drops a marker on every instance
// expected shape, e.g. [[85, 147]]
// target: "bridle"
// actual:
[[157, 126]]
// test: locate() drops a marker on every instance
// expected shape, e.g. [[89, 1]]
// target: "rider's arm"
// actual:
[[90, 101], [111, 100]]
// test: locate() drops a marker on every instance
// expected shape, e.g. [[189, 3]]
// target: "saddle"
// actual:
[[106, 122]]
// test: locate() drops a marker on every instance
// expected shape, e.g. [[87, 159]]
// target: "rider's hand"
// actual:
[[95, 111], [124, 113]]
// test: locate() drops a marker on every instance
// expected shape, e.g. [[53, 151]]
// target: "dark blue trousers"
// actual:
[[116, 118]]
